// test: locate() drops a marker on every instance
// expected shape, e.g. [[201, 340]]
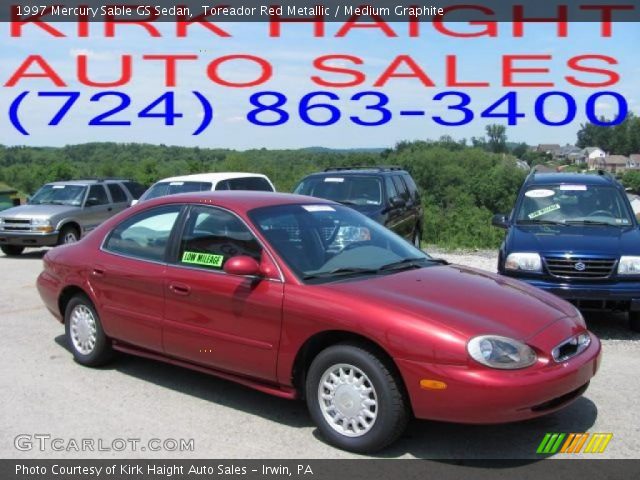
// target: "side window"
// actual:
[[135, 189], [413, 188], [144, 236], [401, 187], [250, 183], [391, 188], [212, 236], [97, 196], [117, 194], [223, 185]]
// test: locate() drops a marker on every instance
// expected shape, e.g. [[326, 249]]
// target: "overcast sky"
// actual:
[[292, 56]]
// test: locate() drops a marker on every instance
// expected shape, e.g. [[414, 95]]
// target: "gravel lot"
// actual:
[[45, 392]]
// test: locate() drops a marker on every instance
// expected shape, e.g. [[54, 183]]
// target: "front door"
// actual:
[[223, 321]]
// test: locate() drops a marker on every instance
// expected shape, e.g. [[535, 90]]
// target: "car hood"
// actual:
[[466, 300], [31, 211], [593, 240]]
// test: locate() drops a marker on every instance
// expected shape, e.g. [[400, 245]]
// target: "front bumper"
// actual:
[[594, 296], [476, 394], [28, 239]]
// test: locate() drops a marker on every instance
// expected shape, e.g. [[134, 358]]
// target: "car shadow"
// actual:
[[610, 325], [208, 388], [423, 439], [28, 255]]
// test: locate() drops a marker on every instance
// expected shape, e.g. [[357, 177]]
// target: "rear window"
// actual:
[[245, 183], [346, 189], [162, 189]]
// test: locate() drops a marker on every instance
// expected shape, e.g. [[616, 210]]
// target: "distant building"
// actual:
[[634, 160], [594, 157], [549, 148], [616, 163]]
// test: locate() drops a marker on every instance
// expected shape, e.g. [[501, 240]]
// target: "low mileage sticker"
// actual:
[[205, 259]]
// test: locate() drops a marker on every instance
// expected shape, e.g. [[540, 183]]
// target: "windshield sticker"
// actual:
[[176, 184], [58, 187], [539, 193], [581, 188], [544, 211], [318, 208], [204, 259], [334, 179]]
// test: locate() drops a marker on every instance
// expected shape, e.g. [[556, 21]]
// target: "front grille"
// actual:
[[582, 268], [16, 225]]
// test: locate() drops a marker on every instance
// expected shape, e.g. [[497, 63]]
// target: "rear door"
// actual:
[[119, 197], [97, 208], [227, 322], [404, 213]]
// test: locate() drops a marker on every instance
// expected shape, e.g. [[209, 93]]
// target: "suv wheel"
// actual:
[[417, 238], [634, 321], [89, 345], [355, 399], [12, 250], [68, 235]]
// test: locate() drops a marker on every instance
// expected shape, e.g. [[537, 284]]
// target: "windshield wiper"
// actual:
[[403, 264], [339, 272], [590, 222], [540, 222]]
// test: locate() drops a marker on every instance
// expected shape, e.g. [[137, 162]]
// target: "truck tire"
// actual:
[[634, 321], [12, 250], [68, 235]]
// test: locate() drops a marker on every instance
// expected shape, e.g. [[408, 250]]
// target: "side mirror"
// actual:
[[91, 202], [133, 202], [500, 220], [242, 265], [397, 202]]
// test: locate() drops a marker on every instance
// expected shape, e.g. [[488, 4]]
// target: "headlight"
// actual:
[[40, 222], [501, 352], [629, 266], [528, 262]]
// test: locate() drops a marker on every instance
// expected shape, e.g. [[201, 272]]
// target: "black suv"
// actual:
[[387, 195]]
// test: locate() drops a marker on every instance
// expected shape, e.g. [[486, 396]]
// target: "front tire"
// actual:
[[12, 250], [634, 321], [355, 399], [85, 336], [68, 235]]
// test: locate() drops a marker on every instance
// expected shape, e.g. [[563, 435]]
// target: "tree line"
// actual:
[[462, 185]]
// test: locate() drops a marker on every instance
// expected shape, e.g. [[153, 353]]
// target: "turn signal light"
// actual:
[[432, 384]]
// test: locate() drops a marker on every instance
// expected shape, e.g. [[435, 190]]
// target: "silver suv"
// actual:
[[63, 212]]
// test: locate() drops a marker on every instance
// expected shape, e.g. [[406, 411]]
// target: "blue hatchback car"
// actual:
[[575, 235]]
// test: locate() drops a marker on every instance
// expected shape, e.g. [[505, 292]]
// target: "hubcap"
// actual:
[[83, 329], [70, 237], [348, 400]]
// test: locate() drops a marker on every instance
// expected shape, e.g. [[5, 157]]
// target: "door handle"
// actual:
[[97, 272], [109, 209], [180, 289]]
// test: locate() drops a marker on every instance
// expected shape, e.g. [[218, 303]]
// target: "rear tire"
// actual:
[[355, 399], [85, 336], [634, 321], [68, 235], [12, 250]]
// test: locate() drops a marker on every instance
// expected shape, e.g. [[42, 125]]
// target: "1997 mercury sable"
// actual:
[[304, 298]]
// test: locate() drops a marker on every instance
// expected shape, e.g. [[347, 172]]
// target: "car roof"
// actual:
[[238, 200], [581, 178], [211, 177]]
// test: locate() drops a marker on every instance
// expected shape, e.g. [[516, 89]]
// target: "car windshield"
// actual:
[[59, 195], [162, 189], [329, 242], [347, 189], [576, 204]]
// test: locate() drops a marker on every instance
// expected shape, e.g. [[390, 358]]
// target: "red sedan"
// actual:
[[304, 298]]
